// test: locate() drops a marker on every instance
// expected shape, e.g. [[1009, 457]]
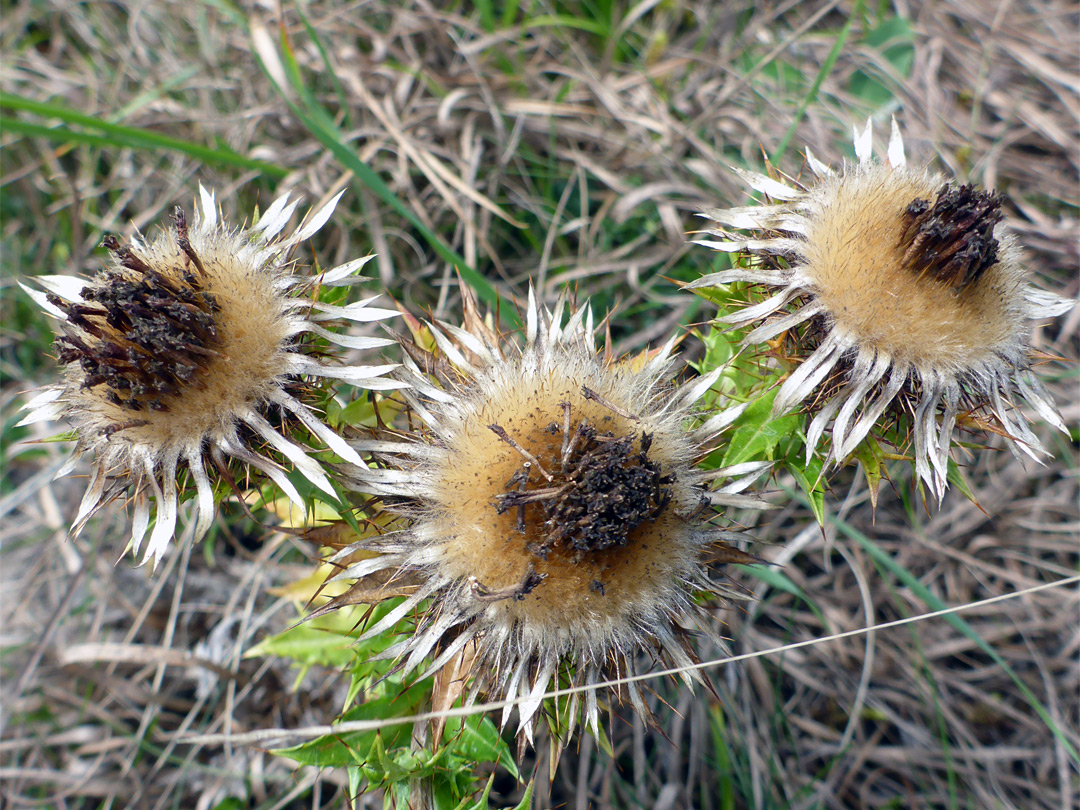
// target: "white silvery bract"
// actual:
[[557, 524], [183, 350], [910, 293]]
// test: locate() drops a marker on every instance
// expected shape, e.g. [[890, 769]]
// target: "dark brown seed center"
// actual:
[[952, 238], [610, 490], [145, 335], [599, 489]]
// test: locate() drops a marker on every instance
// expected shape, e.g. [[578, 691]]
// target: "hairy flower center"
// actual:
[[591, 493], [559, 502], [952, 238], [146, 335]]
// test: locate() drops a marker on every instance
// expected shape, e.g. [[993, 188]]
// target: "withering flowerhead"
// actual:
[[899, 290], [557, 524], [189, 349]]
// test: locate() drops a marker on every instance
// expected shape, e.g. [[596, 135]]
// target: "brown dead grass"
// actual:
[[908, 717]]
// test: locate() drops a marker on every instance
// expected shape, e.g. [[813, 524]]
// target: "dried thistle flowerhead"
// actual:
[[905, 293], [557, 524], [187, 349]]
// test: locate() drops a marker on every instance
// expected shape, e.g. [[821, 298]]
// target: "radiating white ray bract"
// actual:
[[188, 349], [920, 296], [494, 586]]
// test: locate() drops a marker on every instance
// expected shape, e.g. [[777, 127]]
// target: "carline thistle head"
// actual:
[[899, 292], [556, 525], [186, 350]]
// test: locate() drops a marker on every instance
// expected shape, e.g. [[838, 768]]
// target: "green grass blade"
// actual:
[[811, 94], [61, 133], [567, 21], [118, 135], [339, 89], [319, 123], [509, 13], [154, 93]]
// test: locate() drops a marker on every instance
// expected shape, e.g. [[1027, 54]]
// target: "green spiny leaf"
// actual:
[[758, 432], [810, 477]]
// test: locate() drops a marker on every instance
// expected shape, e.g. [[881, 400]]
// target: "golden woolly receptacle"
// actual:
[[557, 526], [186, 349], [909, 295]]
